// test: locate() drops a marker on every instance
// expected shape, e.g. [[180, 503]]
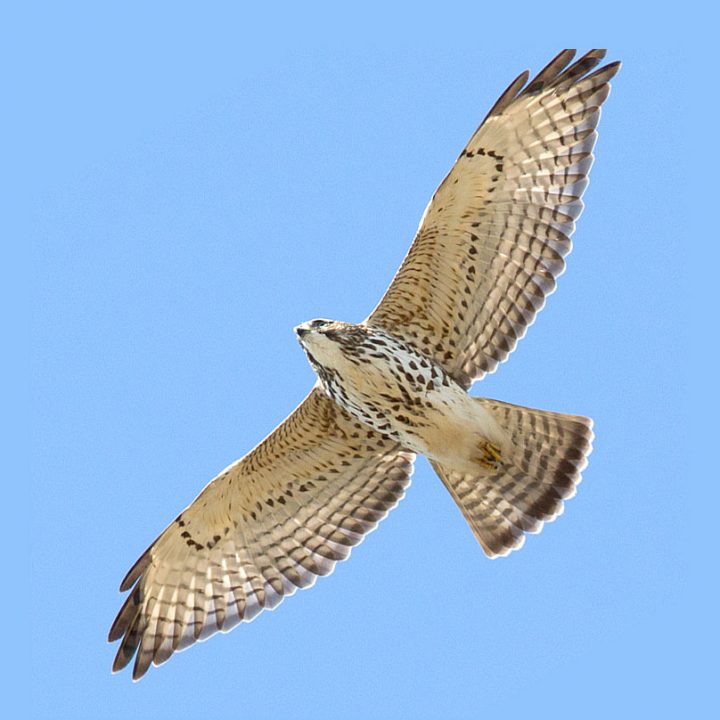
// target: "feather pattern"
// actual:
[[488, 251], [528, 489], [495, 235], [269, 524]]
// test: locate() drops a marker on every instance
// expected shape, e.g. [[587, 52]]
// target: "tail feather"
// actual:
[[540, 469]]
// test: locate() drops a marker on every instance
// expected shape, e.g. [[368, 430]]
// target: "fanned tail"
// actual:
[[528, 486]]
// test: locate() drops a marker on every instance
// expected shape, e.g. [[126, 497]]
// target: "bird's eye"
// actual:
[[317, 323]]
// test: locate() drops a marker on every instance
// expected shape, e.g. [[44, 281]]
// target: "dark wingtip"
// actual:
[[559, 72], [509, 94], [129, 645], [598, 53], [136, 571], [143, 660], [550, 72], [580, 68], [608, 71], [126, 616]]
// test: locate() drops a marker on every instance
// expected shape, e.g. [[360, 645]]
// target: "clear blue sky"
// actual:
[[194, 184]]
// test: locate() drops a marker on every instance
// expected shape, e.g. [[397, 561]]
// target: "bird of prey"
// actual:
[[488, 250]]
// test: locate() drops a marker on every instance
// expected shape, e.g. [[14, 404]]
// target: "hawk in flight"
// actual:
[[488, 250]]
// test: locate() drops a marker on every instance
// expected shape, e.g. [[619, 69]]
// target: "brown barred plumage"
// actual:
[[549, 453], [495, 235], [269, 524], [489, 248]]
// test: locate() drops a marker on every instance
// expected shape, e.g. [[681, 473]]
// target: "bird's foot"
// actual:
[[490, 455]]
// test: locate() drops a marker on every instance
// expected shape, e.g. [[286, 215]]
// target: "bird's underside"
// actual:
[[488, 251]]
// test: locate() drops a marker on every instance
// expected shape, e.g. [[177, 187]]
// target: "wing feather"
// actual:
[[494, 238], [269, 524]]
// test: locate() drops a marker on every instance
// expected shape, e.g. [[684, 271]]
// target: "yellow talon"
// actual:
[[491, 455]]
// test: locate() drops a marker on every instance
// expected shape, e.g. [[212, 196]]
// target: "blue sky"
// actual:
[[194, 184]]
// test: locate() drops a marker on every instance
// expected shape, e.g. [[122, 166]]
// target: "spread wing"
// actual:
[[494, 237], [266, 526]]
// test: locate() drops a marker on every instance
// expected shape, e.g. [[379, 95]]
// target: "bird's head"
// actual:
[[324, 340], [312, 328]]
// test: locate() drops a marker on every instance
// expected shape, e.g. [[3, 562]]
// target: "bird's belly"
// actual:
[[454, 424], [411, 399], [443, 423]]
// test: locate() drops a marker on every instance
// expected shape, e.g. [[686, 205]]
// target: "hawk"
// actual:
[[487, 253]]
